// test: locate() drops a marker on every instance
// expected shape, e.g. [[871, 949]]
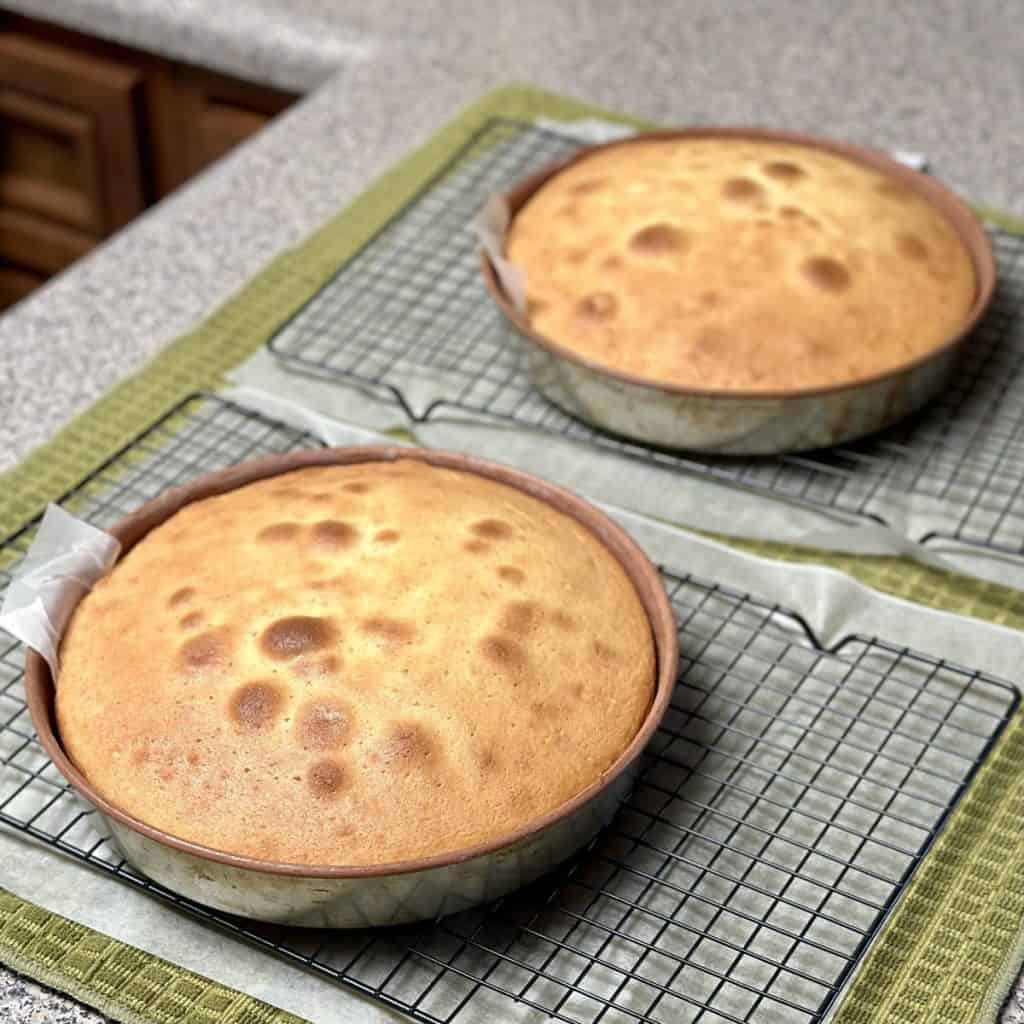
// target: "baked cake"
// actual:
[[738, 265], [355, 665]]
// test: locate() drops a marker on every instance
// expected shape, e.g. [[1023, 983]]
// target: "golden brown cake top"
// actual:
[[355, 665], [739, 265]]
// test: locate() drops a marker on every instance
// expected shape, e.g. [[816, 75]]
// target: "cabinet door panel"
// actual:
[[224, 126], [16, 283], [198, 116], [48, 161], [69, 138], [41, 245]]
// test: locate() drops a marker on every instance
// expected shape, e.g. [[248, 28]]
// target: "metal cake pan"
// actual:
[[334, 895], [751, 422]]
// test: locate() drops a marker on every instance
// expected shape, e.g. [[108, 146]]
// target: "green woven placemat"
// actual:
[[936, 959]]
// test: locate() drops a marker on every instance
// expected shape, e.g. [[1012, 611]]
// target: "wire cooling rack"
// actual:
[[411, 305], [780, 812]]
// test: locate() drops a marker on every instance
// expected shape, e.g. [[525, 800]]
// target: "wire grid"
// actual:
[[411, 303], [781, 809]]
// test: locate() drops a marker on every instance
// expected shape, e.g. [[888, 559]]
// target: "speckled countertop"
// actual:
[[941, 78], [24, 1002]]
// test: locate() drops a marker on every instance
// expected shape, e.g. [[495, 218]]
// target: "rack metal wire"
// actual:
[[410, 305], [781, 809]]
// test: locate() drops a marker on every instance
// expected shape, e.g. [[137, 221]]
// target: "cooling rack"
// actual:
[[780, 812], [410, 305]]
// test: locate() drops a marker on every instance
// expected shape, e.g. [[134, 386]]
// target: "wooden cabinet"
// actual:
[[91, 133], [15, 284], [198, 117], [70, 148], [35, 243], [48, 159]]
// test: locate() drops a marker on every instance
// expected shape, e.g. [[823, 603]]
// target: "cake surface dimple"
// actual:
[[355, 665], [808, 269]]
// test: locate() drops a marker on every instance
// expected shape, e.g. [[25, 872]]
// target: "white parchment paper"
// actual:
[[490, 225], [65, 560]]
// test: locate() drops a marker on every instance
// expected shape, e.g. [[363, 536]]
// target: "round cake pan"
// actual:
[[751, 422], [337, 896]]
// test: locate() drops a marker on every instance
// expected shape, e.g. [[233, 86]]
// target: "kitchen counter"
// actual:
[[382, 78], [24, 1002]]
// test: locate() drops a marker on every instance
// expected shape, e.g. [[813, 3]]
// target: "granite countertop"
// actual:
[[940, 78], [24, 1002]]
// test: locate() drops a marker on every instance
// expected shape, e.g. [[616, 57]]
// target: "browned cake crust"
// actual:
[[355, 665], [738, 265]]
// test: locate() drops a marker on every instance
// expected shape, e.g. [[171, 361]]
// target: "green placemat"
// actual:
[[952, 932]]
